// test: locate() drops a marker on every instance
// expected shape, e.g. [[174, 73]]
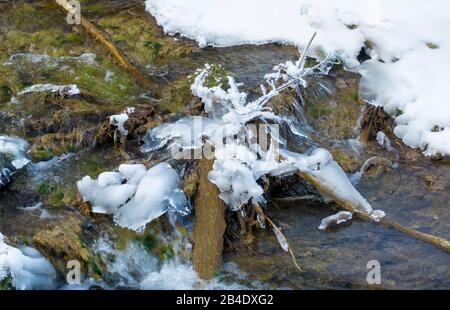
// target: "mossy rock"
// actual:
[[62, 243], [6, 284]]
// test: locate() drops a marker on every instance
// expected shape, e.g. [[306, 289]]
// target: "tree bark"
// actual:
[[210, 225]]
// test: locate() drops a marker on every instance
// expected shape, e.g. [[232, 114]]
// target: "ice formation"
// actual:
[[409, 70], [134, 194], [239, 161], [13, 156], [27, 268], [384, 141], [120, 119], [62, 90], [335, 219], [86, 58]]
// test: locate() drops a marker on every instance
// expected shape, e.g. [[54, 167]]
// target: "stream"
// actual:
[[41, 207]]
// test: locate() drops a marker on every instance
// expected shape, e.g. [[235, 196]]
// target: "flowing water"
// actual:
[[416, 193]]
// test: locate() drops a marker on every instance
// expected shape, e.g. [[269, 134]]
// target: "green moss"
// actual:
[[217, 76], [95, 268], [57, 195], [91, 166], [41, 154], [155, 48], [166, 252], [54, 42], [6, 283], [317, 112], [45, 188], [148, 241], [5, 93]]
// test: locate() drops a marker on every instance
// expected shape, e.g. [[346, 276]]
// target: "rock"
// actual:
[[62, 244]]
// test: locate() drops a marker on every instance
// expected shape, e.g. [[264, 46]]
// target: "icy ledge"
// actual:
[[409, 72], [135, 195], [27, 268], [13, 156]]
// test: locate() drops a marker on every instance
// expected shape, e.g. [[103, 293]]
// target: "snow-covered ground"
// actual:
[[409, 73]]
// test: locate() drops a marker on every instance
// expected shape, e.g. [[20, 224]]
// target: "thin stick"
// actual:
[[117, 54], [294, 260]]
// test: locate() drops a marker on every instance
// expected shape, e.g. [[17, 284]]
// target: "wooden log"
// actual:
[[209, 226]]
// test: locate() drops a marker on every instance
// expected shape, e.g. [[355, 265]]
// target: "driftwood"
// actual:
[[209, 226], [439, 242], [117, 54]]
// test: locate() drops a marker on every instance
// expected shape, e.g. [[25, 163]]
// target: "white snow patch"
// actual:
[[408, 74]]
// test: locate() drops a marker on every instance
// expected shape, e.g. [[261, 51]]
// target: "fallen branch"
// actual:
[[117, 54], [439, 242]]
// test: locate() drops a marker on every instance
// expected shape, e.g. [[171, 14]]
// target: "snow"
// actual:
[[120, 119], [62, 90], [408, 74], [26, 266], [13, 157], [335, 219], [134, 194]]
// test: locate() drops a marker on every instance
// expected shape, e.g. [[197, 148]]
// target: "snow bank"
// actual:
[[408, 74], [13, 156], [135, 195], [27, 268]]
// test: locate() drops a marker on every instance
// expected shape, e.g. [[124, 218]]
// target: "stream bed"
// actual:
[[41, 206]]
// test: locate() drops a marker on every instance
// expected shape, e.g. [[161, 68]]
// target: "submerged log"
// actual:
[[117, 54], [209, 226]]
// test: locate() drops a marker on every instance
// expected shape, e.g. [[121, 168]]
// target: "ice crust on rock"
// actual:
[[409, 70], [62, 90], [27, 268], [13, 157], [134, 194]]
